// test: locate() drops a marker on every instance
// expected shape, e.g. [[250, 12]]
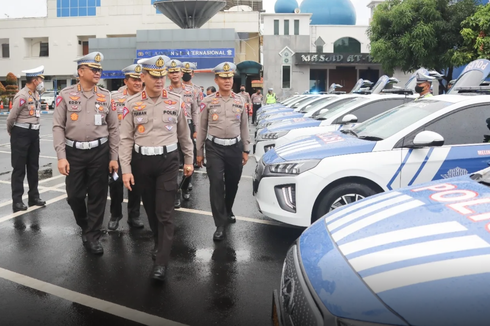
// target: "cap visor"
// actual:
[[225, 74], [157, 73], [136, 76]]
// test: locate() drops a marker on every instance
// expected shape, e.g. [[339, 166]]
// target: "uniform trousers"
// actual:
[[224, 168], [187, 181], [157, 178], [24, 144], [116, 190], [256, 107], [88, 176]]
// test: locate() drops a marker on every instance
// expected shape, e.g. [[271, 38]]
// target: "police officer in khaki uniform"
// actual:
[[86, 138], [153, 123], [189, 96], [133, 84], [224, 130], [23, 128], [246, 97]]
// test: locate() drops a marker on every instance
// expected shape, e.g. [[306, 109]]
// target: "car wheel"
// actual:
[[342, 195]]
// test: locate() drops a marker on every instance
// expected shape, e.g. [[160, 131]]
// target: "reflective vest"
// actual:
[[270, 98], [424, 96]]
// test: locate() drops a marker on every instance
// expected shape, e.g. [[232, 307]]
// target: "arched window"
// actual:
[[347, 45]]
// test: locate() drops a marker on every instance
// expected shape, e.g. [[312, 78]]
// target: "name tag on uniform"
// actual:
[[98, 119]]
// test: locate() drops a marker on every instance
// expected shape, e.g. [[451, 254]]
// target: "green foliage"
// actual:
[[11, 87], [410, 34], [10, 79], [476, 35]]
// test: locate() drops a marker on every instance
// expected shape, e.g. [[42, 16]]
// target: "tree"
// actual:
[[476, 36], [11, 88], [409, 34]]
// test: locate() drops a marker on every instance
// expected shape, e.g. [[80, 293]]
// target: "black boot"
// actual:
[[113, 223], [36, 202], [19, 207], [219, 234]]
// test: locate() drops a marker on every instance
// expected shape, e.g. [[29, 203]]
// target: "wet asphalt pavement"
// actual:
[[46, 276]]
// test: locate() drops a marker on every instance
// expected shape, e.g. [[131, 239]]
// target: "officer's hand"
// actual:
[[194, 135], [113, 166], [188, 169], [128, 181], [199, 161], [244, 158], [64, 166]]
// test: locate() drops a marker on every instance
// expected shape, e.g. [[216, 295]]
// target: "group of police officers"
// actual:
[[138, 137]]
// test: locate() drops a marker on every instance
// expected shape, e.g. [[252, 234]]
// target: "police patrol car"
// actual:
[[332, 116], [415, 256]]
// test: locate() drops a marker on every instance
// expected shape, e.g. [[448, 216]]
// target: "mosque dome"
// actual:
[[285, 6], [329, 12]]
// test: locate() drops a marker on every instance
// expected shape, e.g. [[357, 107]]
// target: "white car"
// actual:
[[348, 109], [48, 99], [424, 140]]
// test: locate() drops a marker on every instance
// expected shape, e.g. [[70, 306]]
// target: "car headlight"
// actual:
[[293, 167], [273, 135]]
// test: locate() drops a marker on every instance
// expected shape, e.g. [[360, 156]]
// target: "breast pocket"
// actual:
[[169, 122], [216, 116], [74, 107], [141, 123]]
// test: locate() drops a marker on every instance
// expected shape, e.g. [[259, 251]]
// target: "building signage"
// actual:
[[333, 58], [187, 53]]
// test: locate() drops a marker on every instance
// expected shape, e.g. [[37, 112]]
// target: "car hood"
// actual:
[[276, 111], [423, 250], [318, 147], [282, 115], [292, 124]]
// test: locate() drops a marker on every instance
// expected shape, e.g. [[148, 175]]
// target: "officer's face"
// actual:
[[89, 74], [175, 77], [134, 84], [224, 83], [152, 83]]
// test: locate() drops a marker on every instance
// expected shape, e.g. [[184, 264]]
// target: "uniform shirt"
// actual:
[[122, 88], [75, 118], [119, 102], [246, 97], [154, 124], [257, 98], [189, 97], [25, 109], [223, 117], [199, 94]]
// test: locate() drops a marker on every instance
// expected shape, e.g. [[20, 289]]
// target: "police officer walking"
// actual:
[[86, 138], [190, 95], [154, 122], [133, 84], [257, 103], [224, 130], [270, 97], [424, 83], [23, 128]]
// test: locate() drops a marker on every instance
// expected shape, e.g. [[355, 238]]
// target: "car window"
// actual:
[[374, 108], [390, 122], [318, 104], [466, 126], [338, 106]]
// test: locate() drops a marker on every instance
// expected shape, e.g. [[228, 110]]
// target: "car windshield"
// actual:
[[47, 94], [341, 105], [317, 104], [390, 122]]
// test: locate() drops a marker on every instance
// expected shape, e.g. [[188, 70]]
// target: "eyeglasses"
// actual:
[[95, 70]]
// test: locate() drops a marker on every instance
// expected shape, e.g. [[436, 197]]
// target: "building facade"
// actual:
[[124, 31]]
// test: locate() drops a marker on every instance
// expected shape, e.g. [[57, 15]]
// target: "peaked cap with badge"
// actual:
[[92, 60], [188, 67], [35, 72], [225, 69], [174, 66], [133, 71], [155, 66], [423, 78]]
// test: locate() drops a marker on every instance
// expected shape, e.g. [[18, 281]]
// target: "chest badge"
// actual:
[[119, 117], [169, 128], [74, 117], [141, 128], [215, 117], [31, 112]]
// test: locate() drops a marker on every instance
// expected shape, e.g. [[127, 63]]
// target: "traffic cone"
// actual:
[[10, 105], [1, 105]]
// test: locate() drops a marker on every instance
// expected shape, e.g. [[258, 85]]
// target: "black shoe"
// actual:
[[232, 218], [158, 272], [154, 254], [189, 188], [19, 207], [177, 200], [219, 234], [113, 223], [36, 202], [186, 195], [94, 247], [135, 222]]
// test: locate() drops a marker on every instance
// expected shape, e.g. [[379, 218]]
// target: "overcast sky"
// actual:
[[37, 8]]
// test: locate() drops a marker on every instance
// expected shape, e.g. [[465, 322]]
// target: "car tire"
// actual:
[[340, 195]]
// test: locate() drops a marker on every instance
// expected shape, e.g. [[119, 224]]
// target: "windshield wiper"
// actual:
[[349, 131], [370, 138]]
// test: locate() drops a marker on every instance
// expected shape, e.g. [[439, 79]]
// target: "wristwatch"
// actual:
[[247, 152]]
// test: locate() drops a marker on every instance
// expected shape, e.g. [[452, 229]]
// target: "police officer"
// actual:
[[270, 97], [154, 122], [257, 103], [133, 84], [190, 97], [224, 130], [23, 128], [424, 83], [85, 132], [188, 74]]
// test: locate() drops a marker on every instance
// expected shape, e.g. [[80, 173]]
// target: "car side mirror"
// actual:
[[349, 118], [322, 111], [427, 138]]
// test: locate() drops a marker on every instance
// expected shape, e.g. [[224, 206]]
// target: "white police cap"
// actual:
[[174, 65], [189, 67], [133, 71], [422, 78], [155, 66], [35, 72], [92, 59], [225, 69]]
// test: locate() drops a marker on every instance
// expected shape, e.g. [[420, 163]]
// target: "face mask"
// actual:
[[40, 86], [242, 89], [419, 89], [186, 77]]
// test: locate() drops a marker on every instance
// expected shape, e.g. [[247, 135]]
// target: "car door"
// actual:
[[466, 148]]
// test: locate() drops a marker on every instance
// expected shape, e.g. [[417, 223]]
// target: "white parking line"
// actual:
[[85, 300], [204, 172], [33, 208]]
